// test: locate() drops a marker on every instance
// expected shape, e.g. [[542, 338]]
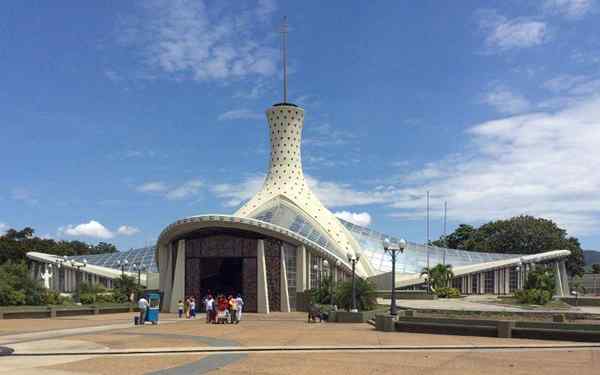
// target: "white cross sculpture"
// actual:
[[46, 277]]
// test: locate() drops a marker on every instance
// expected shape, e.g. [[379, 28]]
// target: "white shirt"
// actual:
[[239, 303], [209, 303], [142, 303]]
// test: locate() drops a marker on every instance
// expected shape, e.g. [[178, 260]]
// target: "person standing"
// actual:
[[232, 309], [192, 308], [209, 305], [186, 307], [239, 304], [180, 309], [143, 307]]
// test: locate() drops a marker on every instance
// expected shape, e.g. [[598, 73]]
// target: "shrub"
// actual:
[[87, 298], [126, 289], [365, 294], [539, 287], [533, 296], [17, 287], [105, 298], [447, 292]]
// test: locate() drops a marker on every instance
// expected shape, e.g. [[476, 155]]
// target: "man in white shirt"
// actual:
[[239, 304], [143, 306], [209, 305]]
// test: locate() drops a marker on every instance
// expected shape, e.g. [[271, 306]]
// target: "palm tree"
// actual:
[[438, 276]]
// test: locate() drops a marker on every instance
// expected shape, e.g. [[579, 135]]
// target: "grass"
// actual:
[[552, 305]]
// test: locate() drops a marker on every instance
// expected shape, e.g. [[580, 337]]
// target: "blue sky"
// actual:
[[121, 117]]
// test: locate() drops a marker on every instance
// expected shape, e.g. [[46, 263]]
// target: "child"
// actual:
[[180, 309]]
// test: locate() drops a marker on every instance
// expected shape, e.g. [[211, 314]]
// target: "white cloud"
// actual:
[[3, 228], [127, 230], [240, 114], [505, 34], [331, 194], [358, 218], [152, 187], [506, 101], [184, 191], [95, 229], [190, 39], [568, 8], [91, 229], [543, 164], [235, 194]]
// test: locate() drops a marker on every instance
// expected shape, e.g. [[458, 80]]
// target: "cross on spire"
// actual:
[[284, 33]]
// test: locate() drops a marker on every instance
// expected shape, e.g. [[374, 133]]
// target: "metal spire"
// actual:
[[284, 32]]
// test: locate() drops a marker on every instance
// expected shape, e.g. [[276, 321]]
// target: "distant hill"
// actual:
[[591, 257]]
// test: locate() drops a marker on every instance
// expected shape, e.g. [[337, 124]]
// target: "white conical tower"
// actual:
[[285, 183]]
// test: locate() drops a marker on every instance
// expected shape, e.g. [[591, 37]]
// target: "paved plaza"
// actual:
[[278, 343]]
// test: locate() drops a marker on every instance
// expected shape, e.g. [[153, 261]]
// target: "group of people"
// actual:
[[220, 310]]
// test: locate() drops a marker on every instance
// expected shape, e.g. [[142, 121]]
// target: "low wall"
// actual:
[[500, 328], [582, 301], [405, 294], [44, 312]]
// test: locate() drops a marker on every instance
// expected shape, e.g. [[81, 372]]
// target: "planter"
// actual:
[[353, 317]]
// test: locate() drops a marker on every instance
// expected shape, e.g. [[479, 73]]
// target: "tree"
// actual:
[[439, 276], [596, 268], [517, 235], [539, 287], [15, 244], [365, 294], [126, 289], [17, 287]]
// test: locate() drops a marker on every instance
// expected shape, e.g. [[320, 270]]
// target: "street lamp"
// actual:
[[122, 265], [393, 249], [139, 270], [353, 259]]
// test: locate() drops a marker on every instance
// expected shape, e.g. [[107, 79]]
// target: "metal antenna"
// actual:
[[284, 33]]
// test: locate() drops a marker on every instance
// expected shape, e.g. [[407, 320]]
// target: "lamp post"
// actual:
[[353, 259], [122, 265], [393, 249], [78, 275]]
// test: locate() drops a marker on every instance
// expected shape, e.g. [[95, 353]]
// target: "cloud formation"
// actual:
[[240, 114], [190, 39], [127, 230], [358, 218], [91, 229], [569, 8], [506, 101], [94, 229], [544, 164], [503, 34], [185, 190]]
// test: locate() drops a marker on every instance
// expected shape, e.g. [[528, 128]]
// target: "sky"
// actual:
[[118, 118]]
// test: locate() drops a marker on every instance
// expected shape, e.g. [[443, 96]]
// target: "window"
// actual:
[[513, 280], [489, 282]]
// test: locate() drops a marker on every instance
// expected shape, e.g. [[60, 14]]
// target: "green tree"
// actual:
[[439, 276], [596, 268], [365, 295], [539, 286], [517, 235], [126, 289], [15, 244], [17, 287]]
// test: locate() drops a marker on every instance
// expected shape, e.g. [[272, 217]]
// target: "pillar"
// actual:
[[301, 284], [165, 276], [562, 266], [178, 290], [283, 284], [262, 293]]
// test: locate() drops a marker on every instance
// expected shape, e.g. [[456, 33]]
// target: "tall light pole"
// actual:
[[393, 249], [122, 265], [353, 259], [427, 242], [445, 243]]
